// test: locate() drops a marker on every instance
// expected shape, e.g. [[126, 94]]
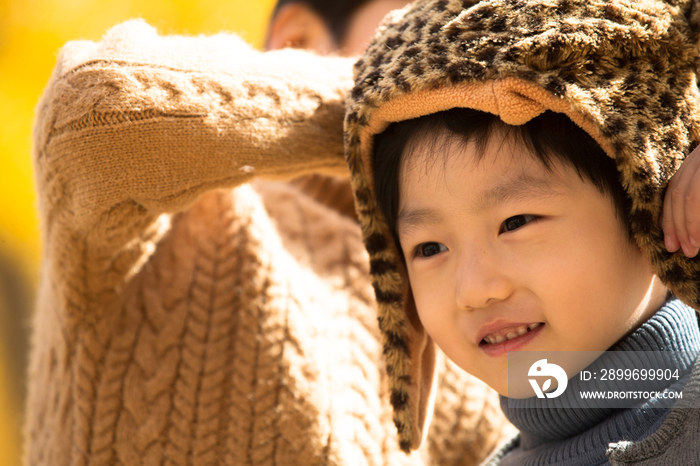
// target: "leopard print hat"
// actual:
[[624, 71]]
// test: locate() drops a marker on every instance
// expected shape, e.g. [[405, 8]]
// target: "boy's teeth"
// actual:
[[499, 337]]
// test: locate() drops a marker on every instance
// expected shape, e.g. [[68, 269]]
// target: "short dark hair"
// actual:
[[335, 13], [550, 136]]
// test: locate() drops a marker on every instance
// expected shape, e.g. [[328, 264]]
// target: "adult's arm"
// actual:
[[137, 126]]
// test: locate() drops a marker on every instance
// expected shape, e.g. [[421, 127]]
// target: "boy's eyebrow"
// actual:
[[521, 186], [408, 218]]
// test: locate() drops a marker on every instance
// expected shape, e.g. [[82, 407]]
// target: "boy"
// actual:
[[522, 213]]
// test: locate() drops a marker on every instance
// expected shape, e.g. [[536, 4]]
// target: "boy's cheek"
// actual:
[[492, 373], [454, 343]]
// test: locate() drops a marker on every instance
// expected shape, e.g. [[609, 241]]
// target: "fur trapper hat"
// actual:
[[624, 71]]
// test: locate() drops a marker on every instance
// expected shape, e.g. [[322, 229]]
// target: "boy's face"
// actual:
[[505, 255]]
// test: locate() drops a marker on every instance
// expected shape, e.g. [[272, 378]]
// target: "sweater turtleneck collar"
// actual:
[[581, 436]]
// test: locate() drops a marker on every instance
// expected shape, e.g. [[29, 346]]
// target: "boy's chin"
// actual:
[[498, 386]]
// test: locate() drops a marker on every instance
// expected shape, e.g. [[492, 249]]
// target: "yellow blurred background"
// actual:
[[31, 33]]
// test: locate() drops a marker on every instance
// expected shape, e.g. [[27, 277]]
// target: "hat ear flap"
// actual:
[[423, 375]]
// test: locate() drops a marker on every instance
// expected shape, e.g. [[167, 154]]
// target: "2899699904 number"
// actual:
[[639, 374]]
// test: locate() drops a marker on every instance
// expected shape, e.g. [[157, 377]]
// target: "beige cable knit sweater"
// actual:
[[182, 321]]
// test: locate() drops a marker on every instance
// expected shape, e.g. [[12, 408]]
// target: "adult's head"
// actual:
[[327, 26]]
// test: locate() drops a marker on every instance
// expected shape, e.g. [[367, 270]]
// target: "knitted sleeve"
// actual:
[[137, 126]]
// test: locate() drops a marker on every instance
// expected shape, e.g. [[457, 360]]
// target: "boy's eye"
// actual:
[[429, 249], [515, 222]]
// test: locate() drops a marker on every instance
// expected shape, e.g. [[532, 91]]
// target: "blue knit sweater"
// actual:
[[551, 436]]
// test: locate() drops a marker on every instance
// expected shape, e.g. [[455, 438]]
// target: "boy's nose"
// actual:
[[480, 282]]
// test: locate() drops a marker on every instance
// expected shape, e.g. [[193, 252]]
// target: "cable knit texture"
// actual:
[[185, 317]]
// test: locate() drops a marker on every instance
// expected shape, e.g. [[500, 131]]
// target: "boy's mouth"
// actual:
[[508, 333]]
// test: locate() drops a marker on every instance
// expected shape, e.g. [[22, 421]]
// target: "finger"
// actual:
[[678, 192], [670, 239], [673, 214], [692, 212]]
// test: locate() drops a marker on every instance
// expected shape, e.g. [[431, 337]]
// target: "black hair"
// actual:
[[335, 13], [549, 136]]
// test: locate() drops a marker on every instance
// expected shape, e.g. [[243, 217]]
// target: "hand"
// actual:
[[681, 210]]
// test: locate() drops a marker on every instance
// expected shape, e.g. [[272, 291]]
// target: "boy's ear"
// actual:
[[423, 374], [297, 25]]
